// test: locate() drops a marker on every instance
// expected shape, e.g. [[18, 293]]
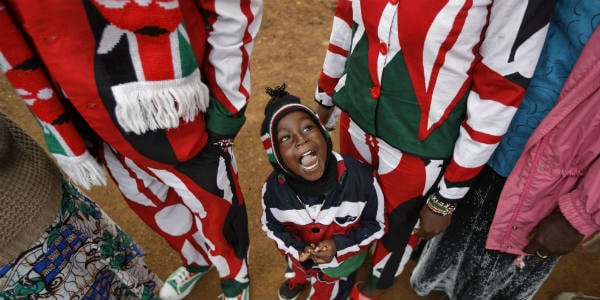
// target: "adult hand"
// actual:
[[553, 236], [324, 252], [431, 224], [324, 114]]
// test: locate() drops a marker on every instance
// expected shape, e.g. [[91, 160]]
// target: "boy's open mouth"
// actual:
[[309, 160]]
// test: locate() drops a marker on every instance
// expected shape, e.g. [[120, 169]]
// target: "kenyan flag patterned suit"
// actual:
[[427, 89], [150, 86]]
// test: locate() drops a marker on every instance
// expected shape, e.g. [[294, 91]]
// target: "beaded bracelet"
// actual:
[[438, 207], [223, 143]]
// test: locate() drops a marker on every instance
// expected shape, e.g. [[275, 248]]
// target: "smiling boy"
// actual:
[[322, 209]]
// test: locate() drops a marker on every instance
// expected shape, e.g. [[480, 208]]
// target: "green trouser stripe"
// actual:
[[232, 287], [197, 269], [372, 282], [347, 267]]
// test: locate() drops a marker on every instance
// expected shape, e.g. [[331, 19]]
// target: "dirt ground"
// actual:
[[290, 48]]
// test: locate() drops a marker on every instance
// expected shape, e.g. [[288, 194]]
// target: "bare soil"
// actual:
[[290, 48]]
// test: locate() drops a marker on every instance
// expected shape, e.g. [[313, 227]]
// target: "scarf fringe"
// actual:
[[152, 105], [83, 170]]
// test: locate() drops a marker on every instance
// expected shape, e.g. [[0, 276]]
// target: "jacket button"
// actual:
[[375, 92], [394, 2], [51, 39], [315, 230], [515, 227], [91, 105], [383, 48]]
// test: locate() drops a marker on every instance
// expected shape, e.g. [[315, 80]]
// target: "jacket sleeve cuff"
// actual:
[[221, 122], [450, 195], [574, 211], [323, 99]]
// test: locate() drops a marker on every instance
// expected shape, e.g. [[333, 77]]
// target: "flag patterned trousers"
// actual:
[[405, 180], [196, 206]]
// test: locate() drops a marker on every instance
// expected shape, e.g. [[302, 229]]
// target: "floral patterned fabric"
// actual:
[[82, 255]]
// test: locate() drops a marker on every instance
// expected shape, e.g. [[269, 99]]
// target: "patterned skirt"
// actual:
[[82, 255], [457, 263]]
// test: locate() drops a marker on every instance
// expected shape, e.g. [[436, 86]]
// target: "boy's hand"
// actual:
[[306, 253], [324, 252]]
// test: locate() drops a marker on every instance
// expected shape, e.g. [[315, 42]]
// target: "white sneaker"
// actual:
[[180, 283]]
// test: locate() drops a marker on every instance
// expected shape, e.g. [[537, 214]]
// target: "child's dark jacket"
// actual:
[[352, 213]]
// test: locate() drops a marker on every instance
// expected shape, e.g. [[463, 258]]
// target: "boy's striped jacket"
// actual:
[[352, 213]]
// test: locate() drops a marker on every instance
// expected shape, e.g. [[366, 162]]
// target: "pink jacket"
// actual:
[[560, 165]]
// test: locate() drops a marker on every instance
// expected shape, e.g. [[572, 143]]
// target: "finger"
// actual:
[[422, 234], [531, 247], [304, 257]]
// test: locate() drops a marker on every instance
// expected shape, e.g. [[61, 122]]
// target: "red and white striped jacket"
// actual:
[[436, 79], [151, 78]]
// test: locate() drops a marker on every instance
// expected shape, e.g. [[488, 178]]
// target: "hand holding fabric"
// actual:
[[305, 254], [323, 252]]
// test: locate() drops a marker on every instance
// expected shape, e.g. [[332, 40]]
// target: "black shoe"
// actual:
[[289, 292]]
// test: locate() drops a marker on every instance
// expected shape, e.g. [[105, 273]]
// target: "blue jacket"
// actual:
[[570, 27]]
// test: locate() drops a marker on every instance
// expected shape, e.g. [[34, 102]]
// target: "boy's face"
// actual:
[[301, 145]]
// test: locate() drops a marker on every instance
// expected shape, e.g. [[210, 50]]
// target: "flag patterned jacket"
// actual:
[[150, 78], [437, 79], [351, 214]]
